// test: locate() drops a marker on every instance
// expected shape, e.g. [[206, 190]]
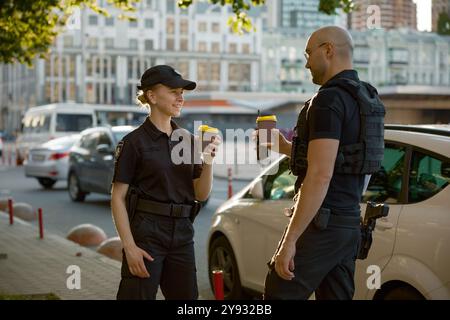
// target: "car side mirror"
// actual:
[[104, 149], [257, 190]]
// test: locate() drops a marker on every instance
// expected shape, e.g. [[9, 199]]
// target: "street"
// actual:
[[60, 214]]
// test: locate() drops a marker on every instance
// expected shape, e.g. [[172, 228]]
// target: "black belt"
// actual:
[[164, 209], [344, 220]]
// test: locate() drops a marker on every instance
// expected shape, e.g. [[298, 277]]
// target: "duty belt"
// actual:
[[344, 220], [164, 209]]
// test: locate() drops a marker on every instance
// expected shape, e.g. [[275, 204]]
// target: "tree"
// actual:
[[443, 26], [28, 27]]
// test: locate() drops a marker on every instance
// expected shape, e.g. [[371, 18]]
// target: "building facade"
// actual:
[[383, 58], [100, 60], [392, 14]]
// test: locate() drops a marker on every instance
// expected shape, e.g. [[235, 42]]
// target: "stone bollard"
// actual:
[[24, 211], [4, 196], [86, 235], [111, 248]]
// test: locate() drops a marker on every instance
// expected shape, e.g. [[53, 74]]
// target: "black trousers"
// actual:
[[170, 242], [324, 264]]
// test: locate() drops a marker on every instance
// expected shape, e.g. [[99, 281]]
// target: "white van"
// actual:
[[43, 123]]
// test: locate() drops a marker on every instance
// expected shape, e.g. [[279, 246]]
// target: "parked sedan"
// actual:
[[91, 161], [410, 246], [49, 162]]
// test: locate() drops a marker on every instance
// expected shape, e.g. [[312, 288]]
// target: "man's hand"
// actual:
[[135, 258], [284, 261], [279, 142]]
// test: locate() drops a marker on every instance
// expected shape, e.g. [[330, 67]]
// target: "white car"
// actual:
[[49, 162], [411, 246]]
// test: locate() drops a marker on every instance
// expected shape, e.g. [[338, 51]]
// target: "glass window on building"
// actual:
[[202, 71], [170, 44], [202, 27], [68, 41], [184, 26], [149, 3], [170, 26], [215, 71], [133, 44], [232, 48], [202, 46], [148, 44], [149, 23], [215, 27], [183, 68], [184, 44], [93, 20], [133, 24], [170, 6], [92, 42], [239, 72], [109, 43], [246, 48], [109, 21], [215, 47]]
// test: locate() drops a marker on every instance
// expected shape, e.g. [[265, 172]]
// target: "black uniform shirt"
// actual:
[[144, 160], [334, 114]]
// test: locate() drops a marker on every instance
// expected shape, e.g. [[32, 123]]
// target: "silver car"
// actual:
[[49, 162]]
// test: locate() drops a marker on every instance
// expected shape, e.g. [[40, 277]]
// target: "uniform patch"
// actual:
[[119, 150]]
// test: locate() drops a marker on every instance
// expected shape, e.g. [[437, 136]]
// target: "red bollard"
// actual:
[[41, 225], [218, 284], [230, 185], [11, 211]]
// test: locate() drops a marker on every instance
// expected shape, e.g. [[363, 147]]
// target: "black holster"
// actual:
[[131, 200], [195, 210]]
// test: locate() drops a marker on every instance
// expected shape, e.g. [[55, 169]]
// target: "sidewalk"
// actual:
[[35, 266]]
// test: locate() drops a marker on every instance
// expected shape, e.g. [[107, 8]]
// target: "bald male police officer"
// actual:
[[339, 139]]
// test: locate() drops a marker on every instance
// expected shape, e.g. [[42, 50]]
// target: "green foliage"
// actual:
[[28, 28], [443, 26]]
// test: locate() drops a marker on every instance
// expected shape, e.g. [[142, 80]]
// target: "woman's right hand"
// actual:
[[135, 258]]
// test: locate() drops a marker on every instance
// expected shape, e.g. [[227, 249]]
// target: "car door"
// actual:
[[87, 168], [262, 226], [103, 163], [386, 186], [423, 237]]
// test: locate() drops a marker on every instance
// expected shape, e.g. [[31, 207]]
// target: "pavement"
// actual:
[[30, 265]]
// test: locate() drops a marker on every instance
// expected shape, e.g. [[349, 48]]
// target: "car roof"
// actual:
[[107, 128], [435, 138]]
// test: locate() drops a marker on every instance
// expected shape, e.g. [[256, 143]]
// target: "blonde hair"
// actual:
[[142, 101]]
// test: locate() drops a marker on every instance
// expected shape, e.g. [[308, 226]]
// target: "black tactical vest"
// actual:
[[363, 157]]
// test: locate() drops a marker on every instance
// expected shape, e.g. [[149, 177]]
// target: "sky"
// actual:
[[423, 14]]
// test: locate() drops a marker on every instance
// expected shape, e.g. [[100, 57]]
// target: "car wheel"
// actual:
[[47, 183], [403, 293], [221, 257], [75, 192]]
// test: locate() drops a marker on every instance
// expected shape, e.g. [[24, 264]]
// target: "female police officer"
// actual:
[[157, 236]]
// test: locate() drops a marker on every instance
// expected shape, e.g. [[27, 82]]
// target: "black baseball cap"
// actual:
[[165, 75]]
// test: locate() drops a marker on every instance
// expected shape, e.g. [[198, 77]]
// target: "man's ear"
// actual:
[[331, 50]]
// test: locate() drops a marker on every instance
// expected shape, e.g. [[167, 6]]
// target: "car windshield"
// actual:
[[73, 122]]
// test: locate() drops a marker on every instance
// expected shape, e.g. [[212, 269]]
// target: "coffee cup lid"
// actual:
[[266, 118], [206, 128]]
